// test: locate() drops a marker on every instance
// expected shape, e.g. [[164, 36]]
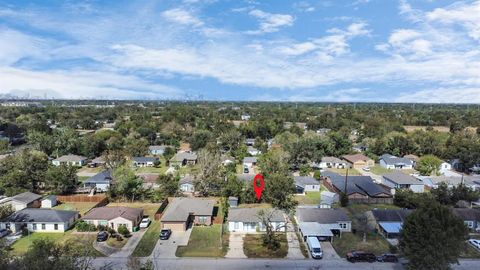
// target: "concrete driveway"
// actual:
[[329, 252], [377, 178], [235, 246], [294, 251], [130, 246], [167, 248]]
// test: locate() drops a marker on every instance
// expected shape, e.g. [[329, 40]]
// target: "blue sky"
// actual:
[[359, 50]]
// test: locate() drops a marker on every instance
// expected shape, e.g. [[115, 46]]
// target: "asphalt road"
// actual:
[[256, 264]]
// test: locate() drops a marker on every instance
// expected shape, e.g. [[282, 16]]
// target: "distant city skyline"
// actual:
[[397, 51]]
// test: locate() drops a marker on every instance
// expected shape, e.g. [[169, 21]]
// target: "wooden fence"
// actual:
[[160, 210], [82, 198]]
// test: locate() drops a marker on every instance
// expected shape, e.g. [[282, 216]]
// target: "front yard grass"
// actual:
[[344, 171], [470, 252], [81, 207], [253, 248], [375, 243], [205, 242], [379, 170], [113, 242], [149, 240]]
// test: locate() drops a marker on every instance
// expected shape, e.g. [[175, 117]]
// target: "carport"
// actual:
[[390, 229], [322, 231]]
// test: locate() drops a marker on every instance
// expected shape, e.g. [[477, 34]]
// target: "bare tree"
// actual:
[[270, 238]]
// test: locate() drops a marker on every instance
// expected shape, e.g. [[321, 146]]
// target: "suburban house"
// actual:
[[157, 150], [183, 158], [248, 220], [144, 161], [392, 162], [98, 161], [227, 160], [40, 220], [359, 147], [328, 199], [181, 212], [359, 161], [49, 201], [389, 222], [253, 151], [322, 223], [245, 117], [413, 158], [186, 183], [26, 200], [249, 161], [100, 181], [249, 142], [451, 181], [331, 162], [470, 216], [446, 169], [115, 216], [359, 189], [399, 180], [72, 160], [306, 184]]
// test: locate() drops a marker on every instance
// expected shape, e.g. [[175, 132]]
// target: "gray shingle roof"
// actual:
[[321, 215], [157, 147], [144, 159], [71, 158], [108, 213], [181, 156], [101, 177], [333, 160], [249, 160], [393, 160], [26, 197], [187, 179], [251, 215], [467, 214], [401, 178], [181, 208], [302, 181], [40, 215]]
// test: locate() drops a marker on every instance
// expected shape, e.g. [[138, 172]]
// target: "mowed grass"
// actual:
[[149, 240], [344, 171], [253, 248], [205, 242], [375, 243], [86, 240], [311, 197], [81, 207], [379, 170], [113, 242]]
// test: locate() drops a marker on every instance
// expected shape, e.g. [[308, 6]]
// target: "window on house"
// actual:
[[343, 225], [43, 226], [237, 225], [55, 226], [202, 220], [34, 226], [469, 224]]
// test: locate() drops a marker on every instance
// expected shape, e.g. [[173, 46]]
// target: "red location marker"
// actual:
[[258, 188]]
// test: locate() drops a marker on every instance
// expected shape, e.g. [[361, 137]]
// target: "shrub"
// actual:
[[317, 174], [83, 226], [123, 230], [102, 227]]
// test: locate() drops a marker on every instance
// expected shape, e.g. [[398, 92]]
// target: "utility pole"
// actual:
[[346, 181]]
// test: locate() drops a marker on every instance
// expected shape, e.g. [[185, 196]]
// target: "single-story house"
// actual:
[[446, 169], [359, 147], [389, 222], [227, 160], [249, 161], [331, 162], [359, 161], [96, 162], [413, 158], [187, 183], [183, 158], [144, 161], [328, 199], [249, 142], [245, 117], [114, 216], [470, 216], [181, 212], [248, 220], [253, 151], [100, 181], [451, 181], [26, 200], [39, 220], [49, 201], [392, 162], [157, 150], [399, 180], [306, 184], [149, 180], [72, 160], [322, 223]]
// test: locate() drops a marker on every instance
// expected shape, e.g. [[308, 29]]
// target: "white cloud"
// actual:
[[15, 46], [442, 95], [182, 17], [270, 22]]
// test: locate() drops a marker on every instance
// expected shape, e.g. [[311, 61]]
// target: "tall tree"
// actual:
[[210, 176], [428, 165], [61, 179], [127, 184]]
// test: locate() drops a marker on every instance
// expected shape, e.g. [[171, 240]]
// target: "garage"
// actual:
[[174, 226]]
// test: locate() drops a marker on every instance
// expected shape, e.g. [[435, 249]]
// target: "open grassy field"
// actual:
[[22, 245], [205, 242], [81, 207], [253, 248], [149, 240], [375, 243], [344, 171]]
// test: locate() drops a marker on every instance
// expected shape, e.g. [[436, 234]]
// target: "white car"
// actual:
[[367, 169], [475, 243], [145, 223]]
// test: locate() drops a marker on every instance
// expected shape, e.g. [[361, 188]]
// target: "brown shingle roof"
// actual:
[[108, 213], [356, 157]]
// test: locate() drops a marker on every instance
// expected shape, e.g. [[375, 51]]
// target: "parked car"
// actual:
[[360, 256], [387, 258], [475, 243], [314, 247], [102, 236], [3, 233], [165, 234], [145, 223], [367, 169]]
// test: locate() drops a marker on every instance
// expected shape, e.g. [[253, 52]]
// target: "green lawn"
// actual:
[[205, 242], [148, 241], [375, 243], [22, 244], [253, 248], [303, 246], [311, 197], [344, 171], [82, 178], [379, 170], [113, 242], [254, 205], [81, 207], [470, 252]]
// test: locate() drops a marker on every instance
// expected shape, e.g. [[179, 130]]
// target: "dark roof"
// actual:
[[41, 215], [101, 177], [251, 214], [356, 184], [393, 160], [26, 197], [401, 178], [144, 159], [302, 181], [321, 215], [181, 208], [108, 213], [467, 214], [391, 215]]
